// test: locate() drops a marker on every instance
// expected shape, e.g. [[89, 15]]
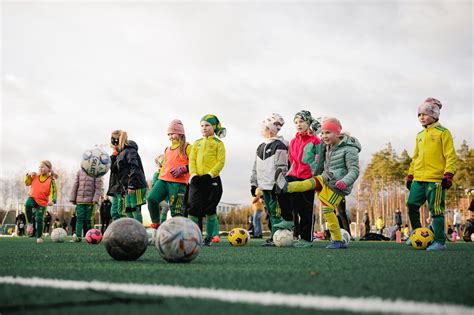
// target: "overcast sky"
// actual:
[[73, 72]]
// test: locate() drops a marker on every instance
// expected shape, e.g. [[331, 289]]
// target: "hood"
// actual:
[[348, 140], [131, 145], [270, 140]]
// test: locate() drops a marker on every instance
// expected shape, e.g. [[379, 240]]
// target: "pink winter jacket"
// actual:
[[86, 189]]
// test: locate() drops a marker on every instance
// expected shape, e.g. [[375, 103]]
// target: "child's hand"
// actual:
[[253, 189], [409, 181], [340, 185], [447, 181], [178, 171]]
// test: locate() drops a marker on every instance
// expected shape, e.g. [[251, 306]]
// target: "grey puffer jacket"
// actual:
[[341, 162], [86, 189]]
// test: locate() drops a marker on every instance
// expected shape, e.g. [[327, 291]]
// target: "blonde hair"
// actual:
[[182, 146], [49, 165], [122, 138]]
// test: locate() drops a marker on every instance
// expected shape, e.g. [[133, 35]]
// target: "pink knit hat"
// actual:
[[430, 107], [176, 126]]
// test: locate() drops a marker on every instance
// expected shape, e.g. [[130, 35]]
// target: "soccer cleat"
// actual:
[[436, 246], [216, 239], [155, 226], [303, 244], [281, 185], [408, 242], [285, 225], [207, 242], [39, 241], [75, 240], [337, 245], [268, 243]]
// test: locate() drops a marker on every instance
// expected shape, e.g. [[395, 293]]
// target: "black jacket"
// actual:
[[114, 185], [130, 169]]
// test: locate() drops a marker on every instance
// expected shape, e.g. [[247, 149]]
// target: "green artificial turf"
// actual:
[[382, 269]]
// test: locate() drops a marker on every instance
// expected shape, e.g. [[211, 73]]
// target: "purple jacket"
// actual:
[[86, 188]]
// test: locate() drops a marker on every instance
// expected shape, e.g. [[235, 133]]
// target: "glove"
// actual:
[[252, 190], [447, 181], [409, 181], [340, 185], [179, 171]]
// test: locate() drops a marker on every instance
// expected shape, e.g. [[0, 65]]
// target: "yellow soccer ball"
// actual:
[[238, 237], [421, 238]]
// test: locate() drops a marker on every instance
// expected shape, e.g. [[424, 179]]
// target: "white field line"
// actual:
[[317, 302]]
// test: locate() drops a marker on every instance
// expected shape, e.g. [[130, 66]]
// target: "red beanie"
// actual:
[[333, 125], [176, 126]]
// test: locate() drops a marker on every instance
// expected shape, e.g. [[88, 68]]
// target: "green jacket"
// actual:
[[341, 162]]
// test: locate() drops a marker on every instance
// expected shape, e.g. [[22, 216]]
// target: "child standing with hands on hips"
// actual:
[[42, 194], [431, 171], [206, 161], [336, 171]]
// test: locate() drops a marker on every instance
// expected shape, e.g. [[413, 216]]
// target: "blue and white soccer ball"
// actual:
[[95, 162], [178, 240]]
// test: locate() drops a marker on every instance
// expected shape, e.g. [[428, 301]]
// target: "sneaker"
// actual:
[[408, 242], [268, 244], [216, 239], [303, 244], [39, 241], [436, 246], [337, 245], [281, 185], [285, 225], [155, 226], [207, 242], [75, 240]]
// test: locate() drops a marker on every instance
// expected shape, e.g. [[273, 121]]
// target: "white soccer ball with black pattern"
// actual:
[[58, 235], [95, 162], [178, 240], [346, 237], [283, 238]]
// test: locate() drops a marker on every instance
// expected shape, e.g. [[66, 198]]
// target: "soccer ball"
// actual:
[[125, 239], [151, 233], [95, 162], [178, 240], [283, 238], [58, 235], [346, 237], [238, 237], [30, 229], [421, 238], [93, 236]]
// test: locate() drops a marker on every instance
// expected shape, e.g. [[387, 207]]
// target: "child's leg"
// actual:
[[215, 189], [176, 193], [416, 198], [270, 200], [90, 211], [196, 202], [302, 186], [116, 210], [304, 204], [40, 212], [333, 223], [80, 219], [137, 214], [157, 194], [164, 208], [435, 194], [29, 205], [256, 223], [342, 215]]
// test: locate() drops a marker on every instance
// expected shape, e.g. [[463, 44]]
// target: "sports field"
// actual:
[[374, 277]]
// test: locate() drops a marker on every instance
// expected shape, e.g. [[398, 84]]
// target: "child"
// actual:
[[303, 154], [42, 194], [131, 176], [206, 161], [105, 213], [117, 210], [336, 171], [271, 155], [431, 171], [85, 194], [173, 175], [258, 208]]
